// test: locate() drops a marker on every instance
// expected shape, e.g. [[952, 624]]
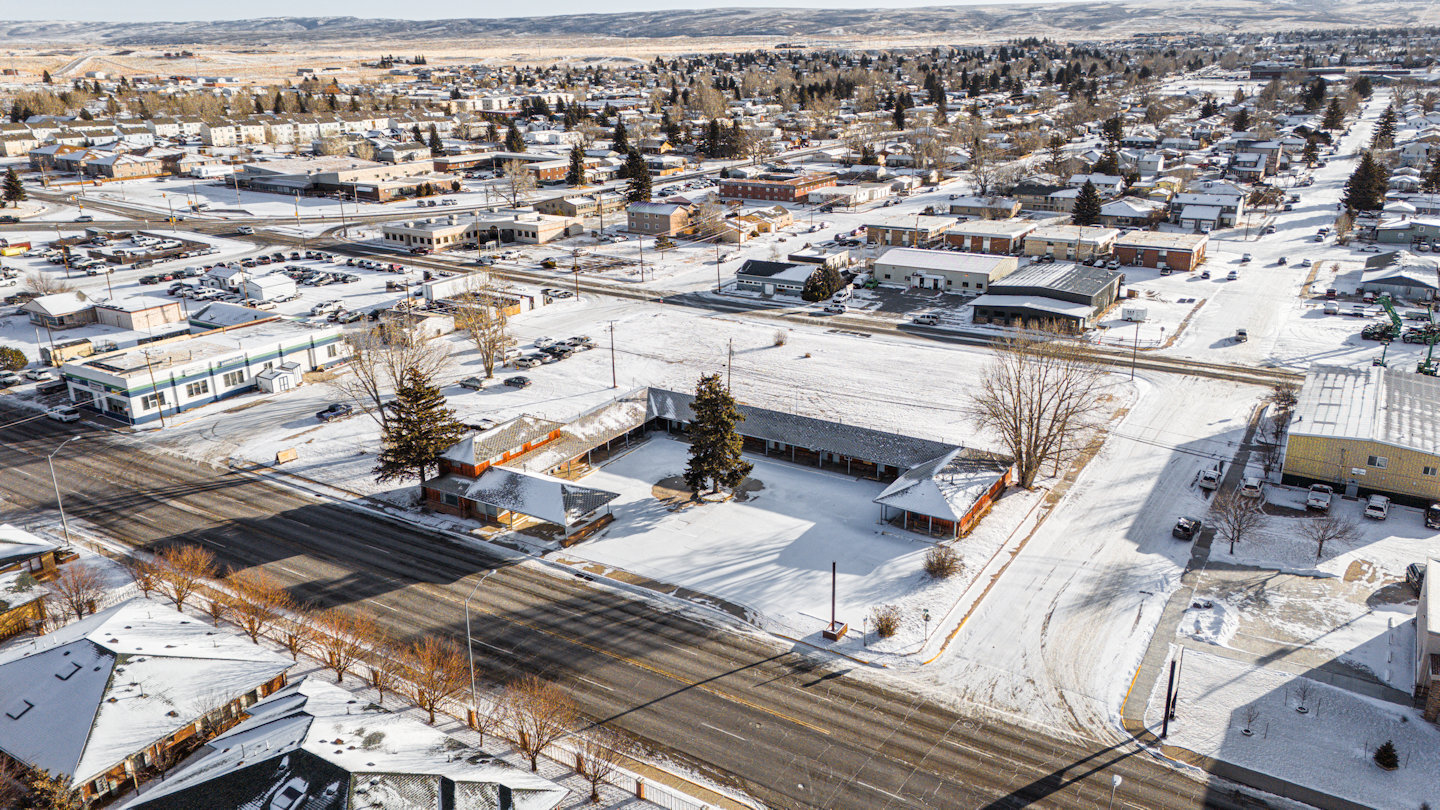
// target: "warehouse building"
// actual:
[[948, 271], [1159, 249], [1069, 296], [1367, 430]]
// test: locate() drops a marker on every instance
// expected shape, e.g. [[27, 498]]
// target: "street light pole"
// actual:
[[470, 645], [50, 460]]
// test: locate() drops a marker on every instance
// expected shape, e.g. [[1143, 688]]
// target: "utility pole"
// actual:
[[614, 380], [155, 389], [1135, 350], [729, 364]]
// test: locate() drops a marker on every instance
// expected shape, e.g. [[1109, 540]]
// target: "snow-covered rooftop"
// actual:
[[17, 545], [947, 486], [87, 696], [319, 743], [1370, 404], [551, 499]]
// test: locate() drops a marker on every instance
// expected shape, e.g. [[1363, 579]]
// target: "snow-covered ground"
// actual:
[[1327, 748], [1060, 636]]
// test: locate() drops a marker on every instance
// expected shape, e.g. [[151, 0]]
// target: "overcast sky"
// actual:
[[151, 10]]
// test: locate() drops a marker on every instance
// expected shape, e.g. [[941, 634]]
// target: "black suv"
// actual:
[[339, 410]]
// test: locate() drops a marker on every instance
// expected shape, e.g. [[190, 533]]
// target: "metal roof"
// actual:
[[853, 441], [1063, 276], [1376, 404]]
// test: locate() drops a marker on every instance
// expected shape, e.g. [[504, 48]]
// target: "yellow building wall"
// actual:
[[1325, 459]]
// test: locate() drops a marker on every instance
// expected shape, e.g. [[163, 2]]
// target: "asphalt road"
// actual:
[[788, 726]]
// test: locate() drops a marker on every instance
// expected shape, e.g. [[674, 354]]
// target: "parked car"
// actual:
[[337, 410], [1305, 263], [927, 320], [518, 382], [836, 309], [1377, 507], [84, 218], [1186, 528], [38, 374], [9, 378], [1415, 577], [473, 383], [544, 342], [1232, 276], [1432, 516], [528, 361], [1319, 497], [67, 414], [1251, 488], [1245, 259], [1242, 335], [1282, 261], [1331, 308], [1209, 479]]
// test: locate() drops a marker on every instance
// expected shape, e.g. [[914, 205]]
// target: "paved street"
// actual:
[[786, 726]]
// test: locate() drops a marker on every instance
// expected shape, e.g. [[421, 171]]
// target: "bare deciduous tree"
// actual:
[[181, 570], [217, 604], [142, 572], [540, 712], [259, 601], [296, 632], [340, 639], [481, 315], [1040, 395], [517, 181], [437, 672], [380, 358], [1236, 518], [599, 752], [1329, 529], [47, 284], [78, 587]]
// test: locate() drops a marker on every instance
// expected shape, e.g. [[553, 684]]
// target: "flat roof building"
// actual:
[[947, 271]]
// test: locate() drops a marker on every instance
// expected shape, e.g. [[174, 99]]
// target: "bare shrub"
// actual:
[[781, 337], [437, 673], [886, 619], [601, 750], [941, 562]]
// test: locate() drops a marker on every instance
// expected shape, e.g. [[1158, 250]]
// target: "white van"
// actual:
[[1251, 488]]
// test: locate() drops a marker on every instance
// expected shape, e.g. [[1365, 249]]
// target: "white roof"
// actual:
[[943, 260], [18, 544], [1371, 403], [1036, 302], [82, 699], [945, 487], [393, 759], [1209, 213], [58, 304]]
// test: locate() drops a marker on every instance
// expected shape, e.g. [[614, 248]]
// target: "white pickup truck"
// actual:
[[1319, 497]]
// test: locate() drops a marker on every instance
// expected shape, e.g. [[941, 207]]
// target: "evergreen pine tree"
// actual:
[[1113, 129], [1363, 87], [418, 430], [575, 175], [867, 156], [14, 191], [1385, 130], [1365, 190], [638, 189], [436, 148], [899, 115], [1109, 163], [1087, 205], [620, 139], [715, 459], [1241, 121], [45, 76], [514, 142], [1432, 173], [1386, 756], [1334, 115], [1310, 153]]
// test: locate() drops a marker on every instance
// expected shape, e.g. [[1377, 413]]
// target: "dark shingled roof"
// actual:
[[763, 269], [890, 449]]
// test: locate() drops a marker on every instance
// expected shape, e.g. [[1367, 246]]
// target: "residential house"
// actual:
[[1132, 212], [985, 207], [315, 735], [25, 562], [60, 310], [111, 697]]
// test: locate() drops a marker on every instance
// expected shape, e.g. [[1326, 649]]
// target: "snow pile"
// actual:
[[1210, 622]]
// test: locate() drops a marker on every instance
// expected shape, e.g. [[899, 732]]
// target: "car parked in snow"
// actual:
[[1251, 488], [1319, 497], [337, 410], [1186, 528], [1377, 507], [1209, 479]]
